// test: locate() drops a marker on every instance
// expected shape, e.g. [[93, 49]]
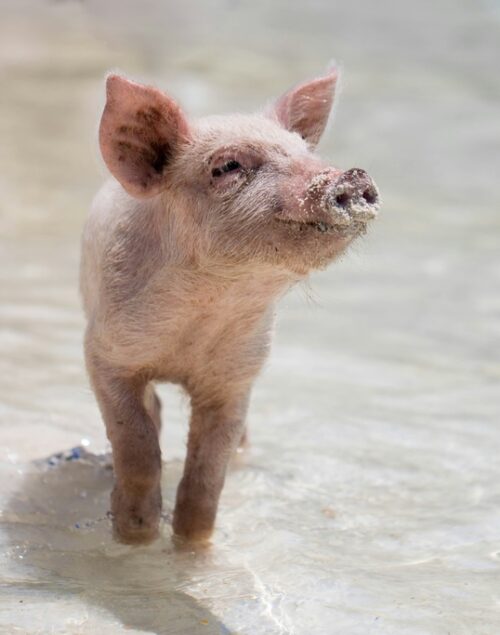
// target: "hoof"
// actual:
[[189, 531], [135, 535], [137, 522]]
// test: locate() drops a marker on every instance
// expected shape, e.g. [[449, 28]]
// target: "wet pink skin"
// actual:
[[204, 225]]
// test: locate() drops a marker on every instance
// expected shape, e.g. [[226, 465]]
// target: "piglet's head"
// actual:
[[246, 188]]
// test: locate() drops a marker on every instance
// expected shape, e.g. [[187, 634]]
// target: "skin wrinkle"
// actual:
[[180, 275]]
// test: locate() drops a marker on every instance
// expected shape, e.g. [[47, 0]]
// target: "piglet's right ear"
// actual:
[[141, 130], [305, 109]]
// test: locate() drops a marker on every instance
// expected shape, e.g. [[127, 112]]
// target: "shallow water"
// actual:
[[370, 499]]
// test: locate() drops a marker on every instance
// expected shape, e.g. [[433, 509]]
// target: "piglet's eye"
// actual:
[[229, 166]]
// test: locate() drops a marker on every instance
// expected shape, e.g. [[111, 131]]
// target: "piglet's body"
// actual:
[[185, 252]]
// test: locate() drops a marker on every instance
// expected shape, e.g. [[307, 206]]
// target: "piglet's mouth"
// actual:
[[322, 227]]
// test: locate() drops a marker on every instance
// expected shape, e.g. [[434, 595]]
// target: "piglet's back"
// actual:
[[114, 242]]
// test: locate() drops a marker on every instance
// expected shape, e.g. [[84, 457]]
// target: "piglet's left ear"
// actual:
[[305, 108], [141, 132]]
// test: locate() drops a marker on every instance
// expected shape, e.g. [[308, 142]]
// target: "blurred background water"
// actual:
[[370, 500]]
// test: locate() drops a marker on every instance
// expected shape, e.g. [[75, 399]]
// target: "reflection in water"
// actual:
[[369, 501], [58, 528]]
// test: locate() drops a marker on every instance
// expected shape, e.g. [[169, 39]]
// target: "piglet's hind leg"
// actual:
[[152, 404]]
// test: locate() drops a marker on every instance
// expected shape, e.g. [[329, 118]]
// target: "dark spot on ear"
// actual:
[[121, 158], [150, 117], [124, 145], [123, 129], [162, 153], [120, 423]]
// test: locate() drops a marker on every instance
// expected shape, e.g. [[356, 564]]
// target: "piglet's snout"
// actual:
[[353, 197]]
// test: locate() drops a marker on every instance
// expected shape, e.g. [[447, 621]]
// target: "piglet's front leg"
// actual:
[[214, 434], [136, 498]]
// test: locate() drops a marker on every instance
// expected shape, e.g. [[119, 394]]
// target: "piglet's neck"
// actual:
[[213, 283], [187, 256]]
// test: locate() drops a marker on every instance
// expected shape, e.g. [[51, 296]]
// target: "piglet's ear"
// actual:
[[141, 130], [305, 108]]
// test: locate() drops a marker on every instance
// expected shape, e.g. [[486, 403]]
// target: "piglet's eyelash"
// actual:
[[229, 166]]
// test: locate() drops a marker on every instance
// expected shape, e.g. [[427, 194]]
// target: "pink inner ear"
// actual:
[[305, 109], [141, 129]]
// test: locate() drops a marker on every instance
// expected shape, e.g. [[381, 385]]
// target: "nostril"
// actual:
[[370, 196], [342, 199]]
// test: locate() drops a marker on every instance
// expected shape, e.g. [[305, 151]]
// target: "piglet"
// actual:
[[205, 223]]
